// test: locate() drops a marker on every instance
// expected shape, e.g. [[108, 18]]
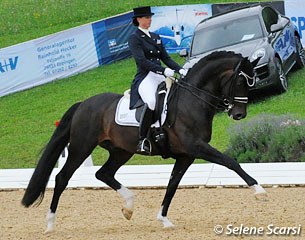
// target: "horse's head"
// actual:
[[235, 87], [221, 80]]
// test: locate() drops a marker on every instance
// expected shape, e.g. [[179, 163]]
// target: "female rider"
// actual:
[[148, 51]]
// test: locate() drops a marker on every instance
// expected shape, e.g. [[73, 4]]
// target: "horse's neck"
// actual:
[[192, 104], [206, 84], [193, 117], [206, 79], [201, 98]]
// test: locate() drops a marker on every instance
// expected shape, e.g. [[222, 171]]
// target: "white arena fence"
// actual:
[[206, 174]]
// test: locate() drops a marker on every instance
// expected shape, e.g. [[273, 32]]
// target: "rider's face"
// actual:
[[144, 22]]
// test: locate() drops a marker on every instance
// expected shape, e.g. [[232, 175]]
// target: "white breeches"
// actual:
[[148, 88]]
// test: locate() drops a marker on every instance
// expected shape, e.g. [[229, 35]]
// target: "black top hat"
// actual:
[[141, 12]]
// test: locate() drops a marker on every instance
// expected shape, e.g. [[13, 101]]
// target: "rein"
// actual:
[[224, 104], [190, 88]]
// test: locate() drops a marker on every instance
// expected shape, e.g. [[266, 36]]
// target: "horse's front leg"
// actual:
[[207, 152], [181, 165]]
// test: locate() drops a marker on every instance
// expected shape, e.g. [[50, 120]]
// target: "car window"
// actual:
[[270, 17], [226, 34]]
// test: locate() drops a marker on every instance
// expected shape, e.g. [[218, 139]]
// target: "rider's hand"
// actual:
[[169, 72], [183, 72]]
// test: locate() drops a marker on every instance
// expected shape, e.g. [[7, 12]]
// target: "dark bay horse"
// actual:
[[220, 80]]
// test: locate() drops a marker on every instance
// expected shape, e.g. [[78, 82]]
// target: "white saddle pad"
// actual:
[[126, 117]]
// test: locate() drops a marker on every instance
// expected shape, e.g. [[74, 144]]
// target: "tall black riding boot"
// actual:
[[144, 145]]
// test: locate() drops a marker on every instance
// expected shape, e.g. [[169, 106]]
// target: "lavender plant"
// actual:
[[268, 138]]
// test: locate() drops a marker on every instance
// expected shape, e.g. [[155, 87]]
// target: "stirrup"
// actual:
[[144, 147]]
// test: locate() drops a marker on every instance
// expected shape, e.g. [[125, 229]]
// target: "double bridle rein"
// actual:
[[224, 103]]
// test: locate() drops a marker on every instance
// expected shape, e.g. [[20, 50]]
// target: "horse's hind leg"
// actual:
[[76, 157], [117, 158], [211, 154]]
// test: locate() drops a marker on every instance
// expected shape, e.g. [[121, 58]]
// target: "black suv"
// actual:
[[255, 31]]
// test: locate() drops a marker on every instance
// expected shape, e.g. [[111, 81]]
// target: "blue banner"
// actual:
[[111, 38]]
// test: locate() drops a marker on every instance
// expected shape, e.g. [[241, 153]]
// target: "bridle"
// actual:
[[243, 100], [225, 104], [229, 101]]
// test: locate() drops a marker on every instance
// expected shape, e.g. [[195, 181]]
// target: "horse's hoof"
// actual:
[[169, 226], [261, 197], [258, 189], [49, 230], [127, 213], [165, 221], [260, 192]]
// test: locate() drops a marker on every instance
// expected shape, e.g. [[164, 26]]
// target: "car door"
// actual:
[[285, 46], [282, 40]]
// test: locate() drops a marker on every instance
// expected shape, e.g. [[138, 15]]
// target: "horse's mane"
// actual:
[[218, 55], [204, 64]]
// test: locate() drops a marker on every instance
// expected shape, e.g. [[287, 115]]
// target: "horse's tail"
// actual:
[[48, 159]]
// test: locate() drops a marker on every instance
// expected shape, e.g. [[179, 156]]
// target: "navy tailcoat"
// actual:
[[148, 53]]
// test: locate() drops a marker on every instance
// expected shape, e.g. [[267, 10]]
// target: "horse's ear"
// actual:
[[254, 63], [244, 62]]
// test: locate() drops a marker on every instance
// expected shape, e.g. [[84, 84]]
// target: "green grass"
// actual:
[[27, 118], [23, 20]]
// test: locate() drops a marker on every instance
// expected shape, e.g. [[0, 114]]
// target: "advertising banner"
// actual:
[[45, 59], [18, 68], [296, 12], [111, 38], [175, 24]]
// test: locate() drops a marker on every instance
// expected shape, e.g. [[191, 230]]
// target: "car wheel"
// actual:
[[300, 54], [282, 83]]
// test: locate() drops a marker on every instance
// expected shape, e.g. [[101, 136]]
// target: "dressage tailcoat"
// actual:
[[148, 53]]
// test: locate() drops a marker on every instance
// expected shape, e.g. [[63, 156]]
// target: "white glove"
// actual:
[[169, 72], [183, 72]]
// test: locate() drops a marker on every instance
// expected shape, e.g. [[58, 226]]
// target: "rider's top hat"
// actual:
[[140, 12]]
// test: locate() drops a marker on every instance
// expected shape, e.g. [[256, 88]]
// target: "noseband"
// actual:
[[224, 103]]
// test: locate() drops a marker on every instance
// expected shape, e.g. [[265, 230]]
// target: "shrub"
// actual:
[[268, 138]]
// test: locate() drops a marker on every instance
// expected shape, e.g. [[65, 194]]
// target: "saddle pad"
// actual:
[[123, 115], [126, 117]]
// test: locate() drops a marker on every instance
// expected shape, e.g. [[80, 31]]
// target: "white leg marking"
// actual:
[[260, 192], [166, 222], [258, 189], [50, 221], [128, 196]]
